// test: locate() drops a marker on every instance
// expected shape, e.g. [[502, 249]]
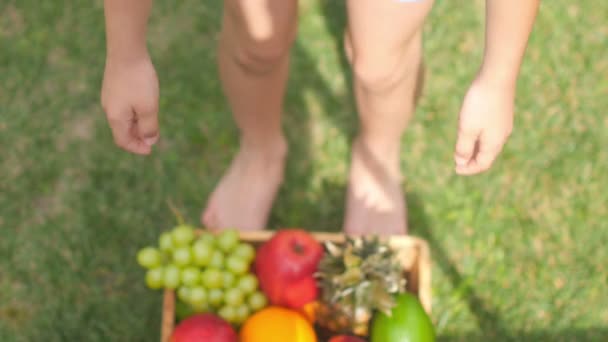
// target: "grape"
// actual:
[[241, 313], [154, 278], [217, 260], [200, 308], [234, 297], [182, 235], [165, 242], [202, 253], [228, 313], [247, 283], [149, 257], [228, 239], [207, 238], [236, 265], [245, 251], [228, 279], [190, 276], [212, 278], [198, 296], [171, 277], [183, 293], [182, 256], [215, 297], [257, 301]]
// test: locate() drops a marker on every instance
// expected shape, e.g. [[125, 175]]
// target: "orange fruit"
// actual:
[[277, 324]]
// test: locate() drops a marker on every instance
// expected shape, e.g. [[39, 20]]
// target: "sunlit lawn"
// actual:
[[519, 253]]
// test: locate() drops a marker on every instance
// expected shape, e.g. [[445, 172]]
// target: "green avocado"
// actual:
[[408, 323]]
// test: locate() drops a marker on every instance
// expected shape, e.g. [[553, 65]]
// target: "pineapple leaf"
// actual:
[[351, 277], [332, 249], [356, 278], [383, 301], [350, 258]]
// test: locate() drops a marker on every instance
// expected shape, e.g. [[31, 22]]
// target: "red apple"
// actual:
[[204, 327], [346, 338], [285, 266]]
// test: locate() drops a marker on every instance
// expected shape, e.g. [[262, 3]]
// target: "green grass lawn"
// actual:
[[519, 253]]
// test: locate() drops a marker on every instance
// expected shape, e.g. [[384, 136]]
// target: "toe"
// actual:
[[208, 218]]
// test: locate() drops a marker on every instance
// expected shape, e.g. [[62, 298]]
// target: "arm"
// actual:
[[126, 24], [130, 86], [508, 27], [486, 117]]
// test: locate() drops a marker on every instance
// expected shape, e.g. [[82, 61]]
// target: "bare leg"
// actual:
[[384, 45], [253, 61]]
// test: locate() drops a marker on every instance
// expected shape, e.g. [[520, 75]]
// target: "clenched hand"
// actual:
[[129, 98], [485, 123]]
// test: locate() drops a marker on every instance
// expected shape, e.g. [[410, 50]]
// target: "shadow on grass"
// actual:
[[488, 319], [326, 212], [594, 334], [295, 205], [490, 323]]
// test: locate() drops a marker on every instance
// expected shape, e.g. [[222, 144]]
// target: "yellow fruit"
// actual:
[[276, 324]]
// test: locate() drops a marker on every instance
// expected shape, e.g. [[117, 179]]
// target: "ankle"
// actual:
[[272, 149], [378, 154]]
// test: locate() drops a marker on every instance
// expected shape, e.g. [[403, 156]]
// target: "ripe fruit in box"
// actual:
[[358, 278], [346, 338], [408, 322], [204, 327], [277, 324], [285, 266]]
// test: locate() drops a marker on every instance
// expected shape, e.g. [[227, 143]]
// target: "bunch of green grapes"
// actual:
[[210, 273]]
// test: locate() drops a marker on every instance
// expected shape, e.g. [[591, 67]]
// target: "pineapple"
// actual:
[[356, 279]]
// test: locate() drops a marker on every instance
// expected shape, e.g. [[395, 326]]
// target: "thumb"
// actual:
[[147, 126], [465, 147]]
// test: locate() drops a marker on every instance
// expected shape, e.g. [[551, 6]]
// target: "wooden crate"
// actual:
[[413, 253]]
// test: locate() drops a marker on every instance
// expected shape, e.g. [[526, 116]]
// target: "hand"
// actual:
[[485, 123], [129, 98]]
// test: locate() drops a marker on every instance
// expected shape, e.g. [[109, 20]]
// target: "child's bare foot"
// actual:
[[244, 196], [375, 201]]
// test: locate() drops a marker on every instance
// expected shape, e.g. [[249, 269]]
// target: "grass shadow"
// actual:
[[334, 14], [294, 205], [592, 334], [324, 212], [488, 319]]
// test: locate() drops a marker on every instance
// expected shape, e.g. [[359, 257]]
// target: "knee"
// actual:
[[256, 38], [381, 72], [258, 46], [376, 75], [261, 57]]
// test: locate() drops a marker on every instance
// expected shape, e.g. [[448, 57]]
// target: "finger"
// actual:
[[467, 170], [486, 158], [135, 143], [473, 168], [121, 124], [483, 159], [465, 147], [147, 125]]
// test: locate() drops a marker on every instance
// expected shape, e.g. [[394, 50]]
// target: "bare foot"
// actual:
[[243, 198], [375, 201]]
